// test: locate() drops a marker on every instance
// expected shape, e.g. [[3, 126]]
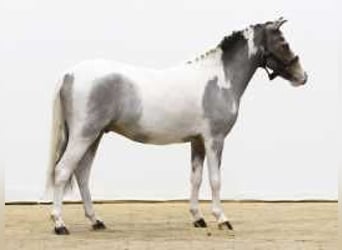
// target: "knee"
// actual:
[[215, 182], [196, 182], [62, 175]]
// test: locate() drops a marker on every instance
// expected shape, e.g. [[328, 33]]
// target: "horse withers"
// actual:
[[196, 102]]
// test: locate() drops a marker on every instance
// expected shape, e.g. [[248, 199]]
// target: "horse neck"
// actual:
[[239, 65], [239, 73]]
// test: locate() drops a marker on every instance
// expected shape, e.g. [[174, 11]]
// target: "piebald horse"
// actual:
[[194, 102]]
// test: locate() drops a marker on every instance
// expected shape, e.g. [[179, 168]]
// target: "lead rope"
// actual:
[[271, 75]]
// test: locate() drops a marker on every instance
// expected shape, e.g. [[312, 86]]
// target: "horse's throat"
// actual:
[[239, 73]]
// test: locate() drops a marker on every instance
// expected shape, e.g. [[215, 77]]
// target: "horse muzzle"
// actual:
[[300, 81]]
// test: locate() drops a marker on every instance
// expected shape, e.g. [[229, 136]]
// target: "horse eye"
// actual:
[[285, 46], [275, 31]]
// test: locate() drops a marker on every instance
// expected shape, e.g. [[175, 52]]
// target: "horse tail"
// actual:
[[59, 137]]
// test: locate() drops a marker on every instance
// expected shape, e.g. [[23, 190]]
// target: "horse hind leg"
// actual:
[[74, 152], [82, 173]]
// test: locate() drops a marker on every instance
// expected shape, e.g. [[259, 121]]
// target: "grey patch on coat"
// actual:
[[139, 137], [190, 138], [66, 94], [197, 151], [66, 104], [231, 50], [114, 104], [237, 66], [218, 104], [217, 147]]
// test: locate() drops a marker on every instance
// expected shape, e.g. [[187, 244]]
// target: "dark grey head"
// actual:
[[277, 55]]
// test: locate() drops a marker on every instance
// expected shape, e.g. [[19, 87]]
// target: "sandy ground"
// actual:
[[140, 226]]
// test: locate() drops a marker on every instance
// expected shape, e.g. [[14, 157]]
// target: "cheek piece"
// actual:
[[282, 67]]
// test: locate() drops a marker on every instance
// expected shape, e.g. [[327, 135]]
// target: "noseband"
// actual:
[[281, 64]]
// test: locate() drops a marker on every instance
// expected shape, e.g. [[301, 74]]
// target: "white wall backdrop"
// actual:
[[284, 145]]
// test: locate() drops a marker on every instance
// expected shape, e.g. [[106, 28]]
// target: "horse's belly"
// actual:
[[161, 129], [171, 126], [157, 137]]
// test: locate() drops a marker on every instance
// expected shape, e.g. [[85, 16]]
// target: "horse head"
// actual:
[[278, 56]]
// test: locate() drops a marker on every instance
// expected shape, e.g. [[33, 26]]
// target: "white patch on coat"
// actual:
[[249, 35], [212, 62]]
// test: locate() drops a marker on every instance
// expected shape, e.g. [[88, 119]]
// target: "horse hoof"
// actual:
[[200, 223], [99, 225], [224, 225], [62, 230]]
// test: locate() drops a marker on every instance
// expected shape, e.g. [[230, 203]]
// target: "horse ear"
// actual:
[[278, 23]]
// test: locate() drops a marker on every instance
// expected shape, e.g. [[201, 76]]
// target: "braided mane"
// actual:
[[226, 43]]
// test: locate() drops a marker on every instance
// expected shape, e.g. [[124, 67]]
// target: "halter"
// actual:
[[284, 65]]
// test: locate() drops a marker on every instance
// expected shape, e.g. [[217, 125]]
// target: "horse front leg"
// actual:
[[197, 158], [213, 149]]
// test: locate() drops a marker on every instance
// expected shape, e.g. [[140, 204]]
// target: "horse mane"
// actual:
[[227, 43]]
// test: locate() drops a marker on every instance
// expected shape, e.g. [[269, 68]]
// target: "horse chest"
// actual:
[[220, 107]]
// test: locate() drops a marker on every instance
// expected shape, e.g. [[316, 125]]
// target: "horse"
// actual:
[[196, 102]]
